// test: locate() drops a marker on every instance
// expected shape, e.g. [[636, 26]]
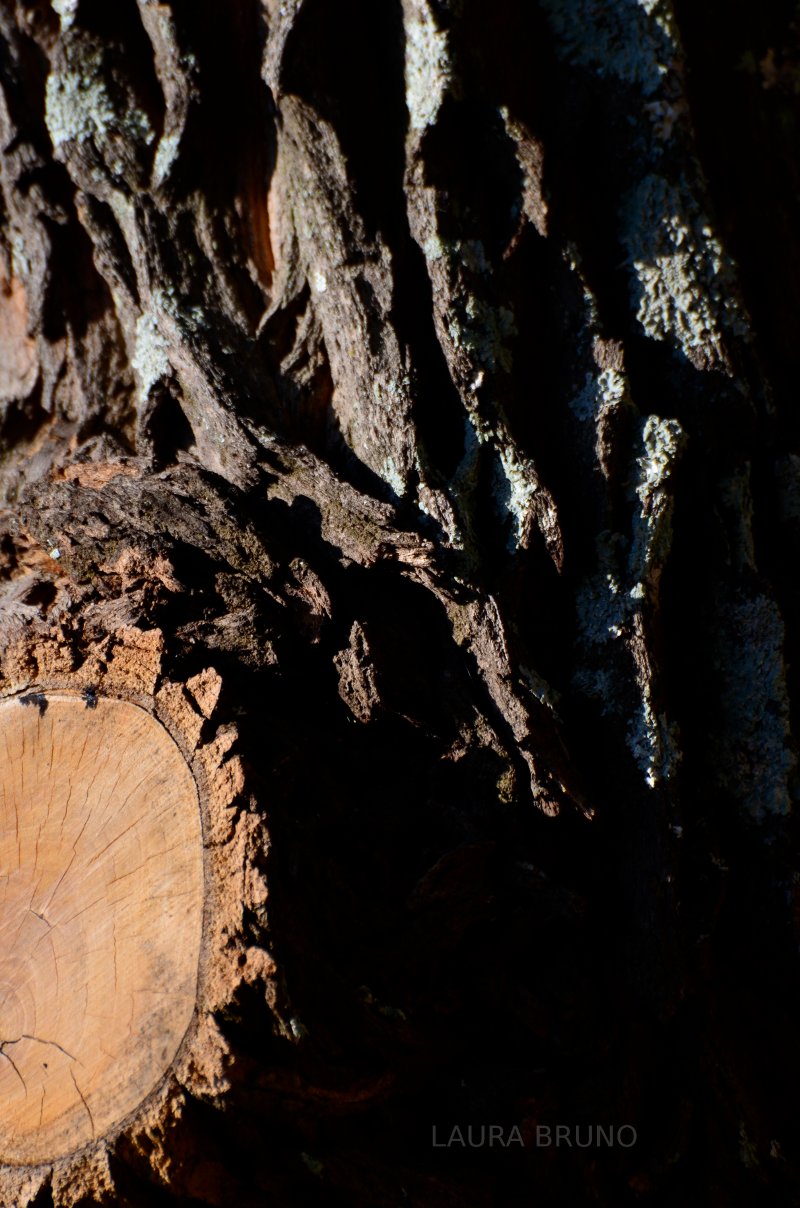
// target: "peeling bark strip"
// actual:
[[398, 437]]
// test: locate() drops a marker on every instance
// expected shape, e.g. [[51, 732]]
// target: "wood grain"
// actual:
[[101, 907]]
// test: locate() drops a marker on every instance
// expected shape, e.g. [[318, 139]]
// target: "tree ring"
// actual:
[[101, 917]]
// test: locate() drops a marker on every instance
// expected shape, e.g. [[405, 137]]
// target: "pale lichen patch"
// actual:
[[683, 282], [433, 248], [390, 473], [755, 760], [653, 742], [428, 69], [662, 443], [66, 10], [483, 331], [150, 360], [633, 40], [608, 389], [521, 488], [652, 738], [166, 155], [80, 105], [600, 609], [612, 604]]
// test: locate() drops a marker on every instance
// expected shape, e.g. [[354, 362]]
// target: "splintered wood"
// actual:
[[101, 910]]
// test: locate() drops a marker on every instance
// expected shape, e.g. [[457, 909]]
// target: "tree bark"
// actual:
[[397, 416]]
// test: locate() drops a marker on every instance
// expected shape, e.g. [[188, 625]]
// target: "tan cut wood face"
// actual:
[[101, 907]]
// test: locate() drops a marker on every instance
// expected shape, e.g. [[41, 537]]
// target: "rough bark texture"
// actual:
[[400, 397]]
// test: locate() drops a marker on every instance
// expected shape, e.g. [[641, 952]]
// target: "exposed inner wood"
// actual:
[[101, 907]]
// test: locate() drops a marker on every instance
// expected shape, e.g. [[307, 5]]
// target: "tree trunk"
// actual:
[[398, 606]]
